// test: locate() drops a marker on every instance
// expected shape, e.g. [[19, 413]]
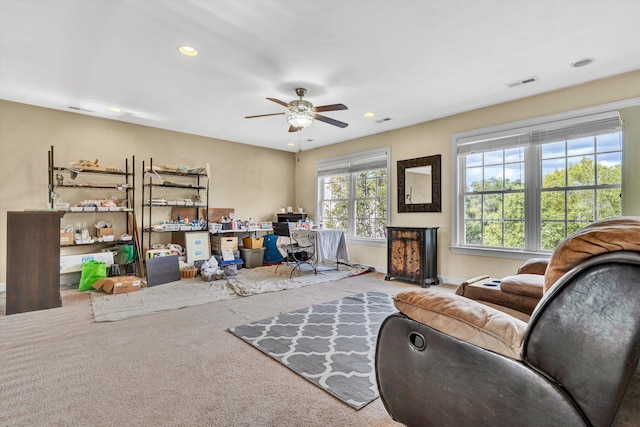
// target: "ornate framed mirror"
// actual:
[[419, 184]]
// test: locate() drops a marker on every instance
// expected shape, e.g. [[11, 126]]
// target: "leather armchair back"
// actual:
[[585, 332]]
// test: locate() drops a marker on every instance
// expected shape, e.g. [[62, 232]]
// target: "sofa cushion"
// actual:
[[615, 234], [464, 319], [488, 290], [534, 266], [530, 285]]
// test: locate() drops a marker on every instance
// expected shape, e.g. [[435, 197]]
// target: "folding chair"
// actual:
[[300, 247]]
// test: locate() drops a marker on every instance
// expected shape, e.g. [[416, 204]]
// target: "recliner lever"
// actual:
[[417, 341]]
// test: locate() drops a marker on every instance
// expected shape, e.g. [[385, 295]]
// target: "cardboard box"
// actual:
[[218, 243], [119, 284], [216, 214], [66, 239], [104, 232], [252, 242]]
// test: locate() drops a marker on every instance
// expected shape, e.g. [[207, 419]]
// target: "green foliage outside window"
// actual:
[[576, 190], [369, 204]]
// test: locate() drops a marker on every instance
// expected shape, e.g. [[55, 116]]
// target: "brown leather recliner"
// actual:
[[517, 295], [446, 360]]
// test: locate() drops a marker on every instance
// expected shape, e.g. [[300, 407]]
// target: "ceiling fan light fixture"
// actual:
[[299, 120]]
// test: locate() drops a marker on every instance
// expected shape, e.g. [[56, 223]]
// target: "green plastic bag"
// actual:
[[92, 271], [122, 254]]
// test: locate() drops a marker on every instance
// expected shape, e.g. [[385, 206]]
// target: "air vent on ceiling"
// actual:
[[80, 109], [386, 119], [523, 81]]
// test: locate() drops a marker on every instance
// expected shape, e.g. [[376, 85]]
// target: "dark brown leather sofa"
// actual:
[[446, 360]]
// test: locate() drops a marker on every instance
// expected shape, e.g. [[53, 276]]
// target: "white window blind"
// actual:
[[353, 163]]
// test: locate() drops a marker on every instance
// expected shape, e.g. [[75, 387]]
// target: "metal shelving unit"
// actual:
[[57, 175], [187, 181]]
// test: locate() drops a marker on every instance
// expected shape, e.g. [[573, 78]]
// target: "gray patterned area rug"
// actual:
[[330, 344]]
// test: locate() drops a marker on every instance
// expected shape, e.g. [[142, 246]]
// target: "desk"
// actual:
[[330, 244]]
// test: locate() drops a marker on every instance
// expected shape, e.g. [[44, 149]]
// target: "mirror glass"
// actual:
[[419, 184]]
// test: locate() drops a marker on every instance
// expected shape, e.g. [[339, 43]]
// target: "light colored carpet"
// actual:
[[176, 368]]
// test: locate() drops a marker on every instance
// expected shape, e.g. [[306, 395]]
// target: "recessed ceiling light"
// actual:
[[369, 115], [187, 50], [114, 109], [583, 62], [291, 144]]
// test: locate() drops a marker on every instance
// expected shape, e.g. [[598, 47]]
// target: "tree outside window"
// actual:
[[354, 198], [530, 190]]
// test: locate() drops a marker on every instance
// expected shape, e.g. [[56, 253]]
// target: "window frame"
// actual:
[[532, 217], [342, 162]]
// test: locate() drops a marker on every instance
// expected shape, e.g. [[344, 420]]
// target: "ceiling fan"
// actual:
[[302, 113]]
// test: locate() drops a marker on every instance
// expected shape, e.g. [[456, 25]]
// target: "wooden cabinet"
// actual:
[[412, 255], [33, 261]]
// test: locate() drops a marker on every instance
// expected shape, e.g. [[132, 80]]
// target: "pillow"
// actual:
[[610, 235], [465, 319]]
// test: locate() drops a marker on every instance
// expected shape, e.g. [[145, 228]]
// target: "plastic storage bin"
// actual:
[[252, 257]]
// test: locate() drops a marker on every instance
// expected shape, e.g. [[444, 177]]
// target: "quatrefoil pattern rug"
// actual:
[[330, 344]]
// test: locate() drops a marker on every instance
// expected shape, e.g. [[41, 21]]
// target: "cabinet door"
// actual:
[[33, 261], [413, 260], [406, 254], [397, 258]]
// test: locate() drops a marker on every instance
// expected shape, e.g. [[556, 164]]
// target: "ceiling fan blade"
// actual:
[[332, 107], [277, 101], [330, 121], [263, 115], [293, 129]]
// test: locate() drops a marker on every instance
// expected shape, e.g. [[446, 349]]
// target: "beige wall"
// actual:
[[244, 176], [434, 137]]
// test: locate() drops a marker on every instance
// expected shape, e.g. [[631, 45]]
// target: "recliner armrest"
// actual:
[[465, 319], [534, 266]]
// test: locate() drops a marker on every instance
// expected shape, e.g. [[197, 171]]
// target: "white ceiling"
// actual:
[[407, 60]]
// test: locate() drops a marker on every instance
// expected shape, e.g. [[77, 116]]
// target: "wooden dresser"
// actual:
[[412, 255], [33, 260]]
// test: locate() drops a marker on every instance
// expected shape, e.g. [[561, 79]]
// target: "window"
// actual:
[[526, 189], [353, 194]]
